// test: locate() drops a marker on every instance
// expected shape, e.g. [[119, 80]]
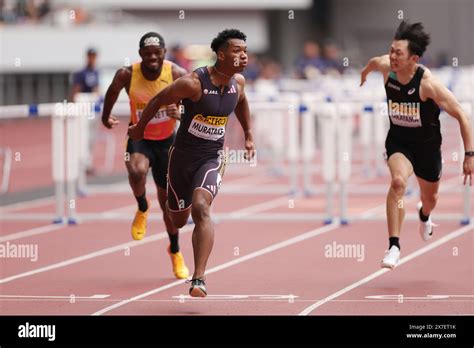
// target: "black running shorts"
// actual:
[[157, 153], [424, 157], [189, 171]]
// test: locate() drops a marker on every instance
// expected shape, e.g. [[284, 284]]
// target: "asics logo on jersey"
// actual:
[[411, 91]]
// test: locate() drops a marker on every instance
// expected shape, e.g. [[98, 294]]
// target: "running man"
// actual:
[[413, 142], [209, 95], [142, 81]]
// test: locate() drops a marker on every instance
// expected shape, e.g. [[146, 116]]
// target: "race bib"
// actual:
[[405, 114], [160, 116], [208, 127]]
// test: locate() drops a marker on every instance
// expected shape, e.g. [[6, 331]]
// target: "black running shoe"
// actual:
[[198, 288]]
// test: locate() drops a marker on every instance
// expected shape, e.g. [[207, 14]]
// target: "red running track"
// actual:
[[257, 267]]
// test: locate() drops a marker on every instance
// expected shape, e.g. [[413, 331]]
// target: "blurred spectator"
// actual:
[[178, 56], [87, 81], [310, 64], [23, 10], [270, 70], [332, 58], [253, 68]]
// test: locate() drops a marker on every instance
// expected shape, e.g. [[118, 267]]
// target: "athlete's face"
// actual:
[[152, 57], [234, 56], [400, 56]]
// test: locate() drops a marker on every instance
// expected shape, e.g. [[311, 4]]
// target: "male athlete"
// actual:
[[209, 95], [413, 142], [142, 81]]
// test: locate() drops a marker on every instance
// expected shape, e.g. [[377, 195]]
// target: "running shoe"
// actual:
[[425, 228], [139, 223], [392, 258], [198, 288], [179, 267]]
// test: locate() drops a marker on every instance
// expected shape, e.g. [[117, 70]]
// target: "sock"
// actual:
[[174, 246], [423, 217], [142, 203], [394, 241]]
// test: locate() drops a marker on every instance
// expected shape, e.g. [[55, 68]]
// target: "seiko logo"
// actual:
[[411, 91], [391, 85]]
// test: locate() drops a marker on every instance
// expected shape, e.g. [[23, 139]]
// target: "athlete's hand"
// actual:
[[110, 122], [173, 112], [363, 76], [250, 147], [468, 169], [135, 132]]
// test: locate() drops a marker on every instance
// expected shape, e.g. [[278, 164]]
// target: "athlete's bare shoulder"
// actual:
[[188, 86], [429, 84], [383, 63], [177, 71], [240, 79], [122, 78]]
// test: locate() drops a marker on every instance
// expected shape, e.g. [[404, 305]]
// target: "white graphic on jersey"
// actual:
[[405, 114]]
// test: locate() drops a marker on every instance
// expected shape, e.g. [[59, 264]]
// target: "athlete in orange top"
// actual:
[[142, 81]]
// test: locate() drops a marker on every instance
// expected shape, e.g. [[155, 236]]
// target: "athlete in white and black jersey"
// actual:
[[413, 142]]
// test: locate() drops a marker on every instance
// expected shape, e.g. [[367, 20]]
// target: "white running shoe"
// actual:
[[425, 228], [392, 257]]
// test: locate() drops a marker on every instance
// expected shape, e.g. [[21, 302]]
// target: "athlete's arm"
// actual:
[[177, 71], [242, 111], [121, 79], [381, 64], [173, 110], [433, 89], [187, 86]]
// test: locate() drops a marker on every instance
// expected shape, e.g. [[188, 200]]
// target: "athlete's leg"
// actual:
[[137, 168], [400, 170], [428, 195], [203, 234]]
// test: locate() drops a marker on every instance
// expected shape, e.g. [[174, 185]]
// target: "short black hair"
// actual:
[[221, 38], [152, 34], [417, 39]]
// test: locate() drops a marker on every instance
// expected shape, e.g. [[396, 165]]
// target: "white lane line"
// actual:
[[110, 250], [313, 233], [98, 296], [31, 232], [52, 227], [242, 212], [421, 251]]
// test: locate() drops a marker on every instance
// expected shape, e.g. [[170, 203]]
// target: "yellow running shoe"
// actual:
[[179, 267], [139, 223]]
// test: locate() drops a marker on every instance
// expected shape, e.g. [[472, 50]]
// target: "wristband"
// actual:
[[469, 153]]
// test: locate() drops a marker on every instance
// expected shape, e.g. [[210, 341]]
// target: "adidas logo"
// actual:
[[232, 90], [212, 188]]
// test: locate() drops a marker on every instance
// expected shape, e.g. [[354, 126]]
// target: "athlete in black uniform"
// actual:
[[413, 142], [196, 166]]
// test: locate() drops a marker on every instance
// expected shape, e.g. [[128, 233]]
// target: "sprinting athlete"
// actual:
[[142, 81], [209, 95], [413, 143]]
